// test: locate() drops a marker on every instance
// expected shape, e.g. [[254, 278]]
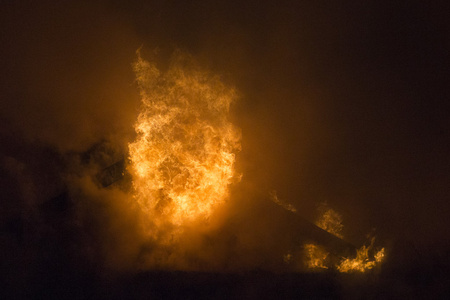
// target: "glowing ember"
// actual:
[[182, 160]]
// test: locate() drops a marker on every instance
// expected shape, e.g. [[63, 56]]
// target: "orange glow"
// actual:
[[182, 160]]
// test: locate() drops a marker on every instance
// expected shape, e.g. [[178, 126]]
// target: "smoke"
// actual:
[[67, 78], [67, 87]]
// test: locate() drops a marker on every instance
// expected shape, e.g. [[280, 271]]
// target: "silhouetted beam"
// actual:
[[306, 231], [111, 174]]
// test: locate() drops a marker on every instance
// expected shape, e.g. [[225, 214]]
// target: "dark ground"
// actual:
[[414, 283]]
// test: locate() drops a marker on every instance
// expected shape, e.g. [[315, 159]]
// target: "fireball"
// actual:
[[182, 160]]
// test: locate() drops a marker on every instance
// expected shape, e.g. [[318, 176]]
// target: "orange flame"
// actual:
[[362, 261], [182, 160], [331, 221], [316, 256]]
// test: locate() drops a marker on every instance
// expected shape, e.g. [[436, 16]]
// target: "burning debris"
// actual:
[[325, 247], [365, 258]]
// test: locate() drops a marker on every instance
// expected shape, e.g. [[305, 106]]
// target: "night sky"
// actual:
[[339, 102]]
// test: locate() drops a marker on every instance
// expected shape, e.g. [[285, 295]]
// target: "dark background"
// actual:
[[340, 102]]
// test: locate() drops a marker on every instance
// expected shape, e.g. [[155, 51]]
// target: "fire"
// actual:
[[182, 160], [283, 204], [316, 256], [362, 262], [331, 221]]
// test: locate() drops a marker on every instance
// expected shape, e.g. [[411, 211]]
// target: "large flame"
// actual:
[[182, 160]]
